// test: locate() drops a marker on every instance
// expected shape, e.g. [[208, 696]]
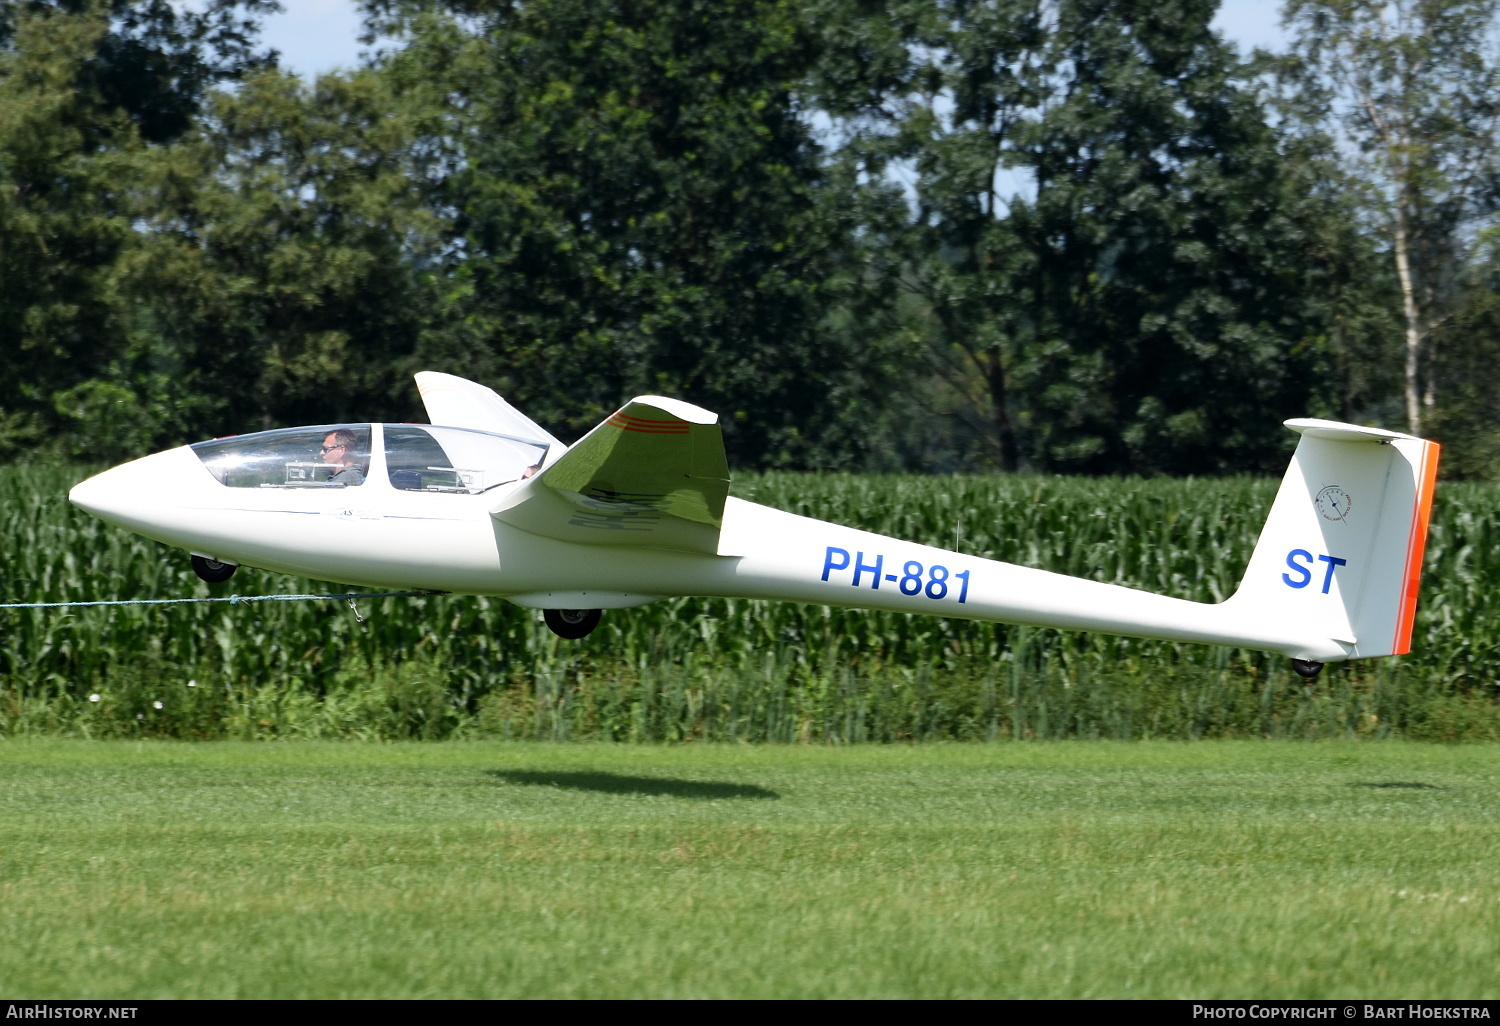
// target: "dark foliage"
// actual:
[[893, 234]]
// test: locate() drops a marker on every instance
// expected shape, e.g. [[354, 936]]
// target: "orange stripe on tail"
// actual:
[[1416, 545], [648, 426]]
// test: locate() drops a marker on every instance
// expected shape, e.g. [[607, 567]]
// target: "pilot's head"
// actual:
[[338, 447]]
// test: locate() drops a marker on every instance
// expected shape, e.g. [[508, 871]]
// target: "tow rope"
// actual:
[[233, 600]]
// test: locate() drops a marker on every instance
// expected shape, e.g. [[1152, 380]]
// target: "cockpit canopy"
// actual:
[[416, 458], [443, 459]]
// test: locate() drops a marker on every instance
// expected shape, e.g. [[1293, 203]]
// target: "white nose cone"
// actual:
[[142, 494]]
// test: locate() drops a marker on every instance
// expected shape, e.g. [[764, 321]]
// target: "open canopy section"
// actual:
[[419, 458], [452, 401]]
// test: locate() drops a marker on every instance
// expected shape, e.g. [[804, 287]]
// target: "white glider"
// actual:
[[484, 501]]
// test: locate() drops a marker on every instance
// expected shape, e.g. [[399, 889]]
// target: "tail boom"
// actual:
[[770, 554], [813, 561]]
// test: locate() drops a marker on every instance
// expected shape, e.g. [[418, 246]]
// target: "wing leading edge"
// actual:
[[653, 474]]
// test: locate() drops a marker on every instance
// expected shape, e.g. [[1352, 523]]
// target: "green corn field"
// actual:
[[697, 669]]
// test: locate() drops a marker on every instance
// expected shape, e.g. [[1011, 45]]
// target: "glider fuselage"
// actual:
[[638, 509], [380, 536]]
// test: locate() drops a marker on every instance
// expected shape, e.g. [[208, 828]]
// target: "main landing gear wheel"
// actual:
[[1307, 669], [571, 623], [212, 571]]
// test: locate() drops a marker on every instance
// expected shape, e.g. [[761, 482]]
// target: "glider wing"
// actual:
[[457, 402], [653, 475]]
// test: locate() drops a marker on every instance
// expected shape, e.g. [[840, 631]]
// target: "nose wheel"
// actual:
[[212, 571], [571, 623], [1307, 669]]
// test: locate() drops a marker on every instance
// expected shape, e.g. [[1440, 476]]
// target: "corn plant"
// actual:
[[723, 668]]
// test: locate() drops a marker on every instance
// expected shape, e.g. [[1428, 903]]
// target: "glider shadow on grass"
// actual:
[[616, 783], [1407, 785]]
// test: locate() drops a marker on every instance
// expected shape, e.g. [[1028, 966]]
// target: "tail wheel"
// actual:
[[571, 623], [1307, 669], [212, 571]]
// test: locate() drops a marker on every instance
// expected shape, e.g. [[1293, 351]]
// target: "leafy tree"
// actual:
[[1411, 87], [1148, 304], [640, 206], [63, 221], [286, 254], [1467, 418], [90, 93], [1172, 251], [959, 127], [154, 60]]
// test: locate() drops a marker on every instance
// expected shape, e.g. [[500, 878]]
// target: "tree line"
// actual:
[[1083, 236]]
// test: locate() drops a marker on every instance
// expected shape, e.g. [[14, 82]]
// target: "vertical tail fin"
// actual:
[[1340, 556]]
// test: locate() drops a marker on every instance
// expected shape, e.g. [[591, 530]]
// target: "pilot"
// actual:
[[338, 451]]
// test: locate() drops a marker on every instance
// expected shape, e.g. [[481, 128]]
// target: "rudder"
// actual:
[[1340, 556]]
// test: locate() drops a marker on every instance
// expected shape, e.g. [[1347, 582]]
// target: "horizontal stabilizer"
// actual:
[[653, 474], [457, 402], [1332, 430]]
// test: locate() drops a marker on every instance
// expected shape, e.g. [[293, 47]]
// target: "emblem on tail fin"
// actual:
[[1334, 503]]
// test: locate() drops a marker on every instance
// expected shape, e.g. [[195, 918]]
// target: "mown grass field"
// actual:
[[303, 869]]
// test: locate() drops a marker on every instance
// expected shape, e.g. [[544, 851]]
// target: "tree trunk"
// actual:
[[1005, 432], [1414, 397]]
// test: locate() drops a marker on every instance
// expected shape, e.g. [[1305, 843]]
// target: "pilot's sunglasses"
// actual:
[[329, 448]]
